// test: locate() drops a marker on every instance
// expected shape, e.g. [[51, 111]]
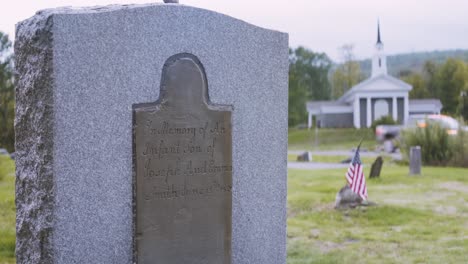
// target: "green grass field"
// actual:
[[419, 219], [7, 210], [330, 139]]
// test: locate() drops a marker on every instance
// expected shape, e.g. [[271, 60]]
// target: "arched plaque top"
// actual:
[[182, 150], [183, 82]]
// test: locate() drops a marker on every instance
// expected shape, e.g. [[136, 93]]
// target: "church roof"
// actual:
[[314, 104], [317, 107], [435, 102], [424, 106], [369, 85]]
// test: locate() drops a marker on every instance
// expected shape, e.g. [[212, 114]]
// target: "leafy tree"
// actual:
[[430, 75], [404, 73], [451, 80], [308, 80], [463, 104], [297, 97], [312, 70], [6, 94], [347, 74], [419, 86], [447, 81]]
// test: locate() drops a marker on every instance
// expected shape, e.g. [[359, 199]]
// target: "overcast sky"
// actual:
[[320, 25]]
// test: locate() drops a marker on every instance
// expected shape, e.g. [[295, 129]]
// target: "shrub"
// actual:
[[384, 120], [438, 148], [461, 148]]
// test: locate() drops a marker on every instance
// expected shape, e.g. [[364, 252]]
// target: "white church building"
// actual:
[[380, 95]]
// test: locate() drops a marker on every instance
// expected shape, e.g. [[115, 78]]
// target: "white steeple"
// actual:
[[379, 60]]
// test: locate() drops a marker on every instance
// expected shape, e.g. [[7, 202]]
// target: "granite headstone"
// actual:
[[80, 75], [305, 156], [376, 168], [415, 160]]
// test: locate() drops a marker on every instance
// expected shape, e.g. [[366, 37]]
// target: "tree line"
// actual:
[[7, 94], [314, 77], [446, 81]]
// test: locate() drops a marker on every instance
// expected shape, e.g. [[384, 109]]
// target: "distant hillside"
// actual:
[[414, 61]]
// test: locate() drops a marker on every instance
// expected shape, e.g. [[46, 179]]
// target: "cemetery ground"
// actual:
[[7, 210], [418, 219], [330, 139]]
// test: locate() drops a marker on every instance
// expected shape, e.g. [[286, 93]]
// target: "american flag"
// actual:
[[355, 177]]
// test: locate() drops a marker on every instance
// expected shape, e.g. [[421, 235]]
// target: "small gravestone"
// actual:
[[347, 160], [376, 168], [346, 198], [145, 141], [389, 146], [415, 160], [306, 156]]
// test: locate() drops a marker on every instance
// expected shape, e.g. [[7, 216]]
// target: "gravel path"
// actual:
[[346, 153], [322, 165], [315, 165]]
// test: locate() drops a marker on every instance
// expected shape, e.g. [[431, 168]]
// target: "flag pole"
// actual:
[[355, 176], [360, 142]]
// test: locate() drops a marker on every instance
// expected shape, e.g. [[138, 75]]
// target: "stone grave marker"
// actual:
[[305, 156], [376, 168], [415, 160], [346, 198], [107, 101]]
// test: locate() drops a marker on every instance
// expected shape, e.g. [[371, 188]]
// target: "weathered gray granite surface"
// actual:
[[79, 73], [34, 152]]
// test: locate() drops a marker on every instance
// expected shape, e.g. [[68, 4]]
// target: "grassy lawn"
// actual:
[[7, 210], [419, 219], [330, 139]]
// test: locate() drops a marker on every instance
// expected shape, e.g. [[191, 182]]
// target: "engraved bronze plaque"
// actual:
[[183, 171]]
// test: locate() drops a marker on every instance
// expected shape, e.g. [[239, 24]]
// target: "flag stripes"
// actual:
[[355, 177]]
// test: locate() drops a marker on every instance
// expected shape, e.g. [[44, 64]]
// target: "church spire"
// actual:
[[379, 60], [378, 33]]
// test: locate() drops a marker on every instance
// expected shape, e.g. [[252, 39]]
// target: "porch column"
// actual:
[[406, 109], [369, 116], [394, 109], [356, 113], [309, 120]]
